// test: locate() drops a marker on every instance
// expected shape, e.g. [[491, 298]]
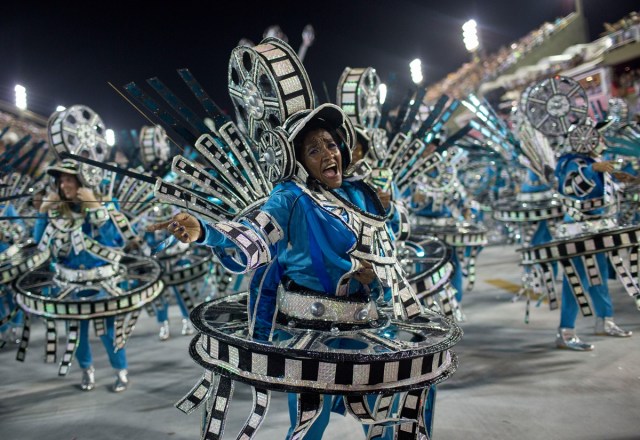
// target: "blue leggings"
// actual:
[[456, 277], [162, 311], [7, 304], [117, 359], [316, 430], [599, 295]]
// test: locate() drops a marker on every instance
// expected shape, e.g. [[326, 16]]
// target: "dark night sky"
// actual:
[[66, 53]]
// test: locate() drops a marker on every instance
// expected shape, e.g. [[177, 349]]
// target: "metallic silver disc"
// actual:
[[79, 130], [267, 84], [359, 96], [555, 104], [585, 139], [276, 156]]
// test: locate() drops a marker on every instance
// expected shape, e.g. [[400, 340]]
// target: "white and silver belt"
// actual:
[[536, 196], [99, 273], [325, 308], [435, 221], [572, 229]]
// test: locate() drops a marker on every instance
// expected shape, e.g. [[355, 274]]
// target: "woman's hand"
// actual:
[[606, 166], [365, 275], [419, 197], [185, 227], [626, 177], [49, 202], [88, 198]]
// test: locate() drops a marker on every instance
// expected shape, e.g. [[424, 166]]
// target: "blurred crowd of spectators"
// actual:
[[19, 128], [468, 78], [626, 22]]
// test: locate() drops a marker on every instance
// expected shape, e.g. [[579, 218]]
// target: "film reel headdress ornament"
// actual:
[[555, 104], [80, 131], [267, 84], [154, 145]]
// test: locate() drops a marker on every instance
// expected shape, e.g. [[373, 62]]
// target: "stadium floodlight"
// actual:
[[416, 71], [383, 93], [470, 35], [110, 137], [21, 97]]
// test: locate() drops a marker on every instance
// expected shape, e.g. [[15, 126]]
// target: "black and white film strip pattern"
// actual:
[[261, 400], [576, 286], [358, 407], [243, 152], [267, 225], [309, 407], [179, 196], [20, 265], [470, 262], [550, 285], [106, 253], [52, 341], [73, 336], [280, 369], [131, 323], [119, 331], [67, 309], [198, 394], [593, 272], [122, 223], [448, 303], [250, 243], [527, 215], [629, 282], [396, 145], [576, 184], [232, 202], [177, 275], [411, 408], [634, 269], [429, 282], [99, 327], [24, 338], [184, 292], [382, 410], [602, 241], [220, 399], [419, 168]]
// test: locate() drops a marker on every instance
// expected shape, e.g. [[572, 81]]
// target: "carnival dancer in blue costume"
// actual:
[[583, 177], [306, 225], [71, 202], [442, 198], [12, 232]]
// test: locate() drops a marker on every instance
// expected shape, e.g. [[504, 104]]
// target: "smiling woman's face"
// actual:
[[321, 158], [69, 186]]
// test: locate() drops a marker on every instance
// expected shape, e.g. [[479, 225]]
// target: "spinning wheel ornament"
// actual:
[[359, 96], [154, 145], [585, 139], [79, 130], [618, 112], [267, 84], [555, 104], [276, 155]]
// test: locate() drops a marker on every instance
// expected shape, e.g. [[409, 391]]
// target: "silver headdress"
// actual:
[[80, 131]]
